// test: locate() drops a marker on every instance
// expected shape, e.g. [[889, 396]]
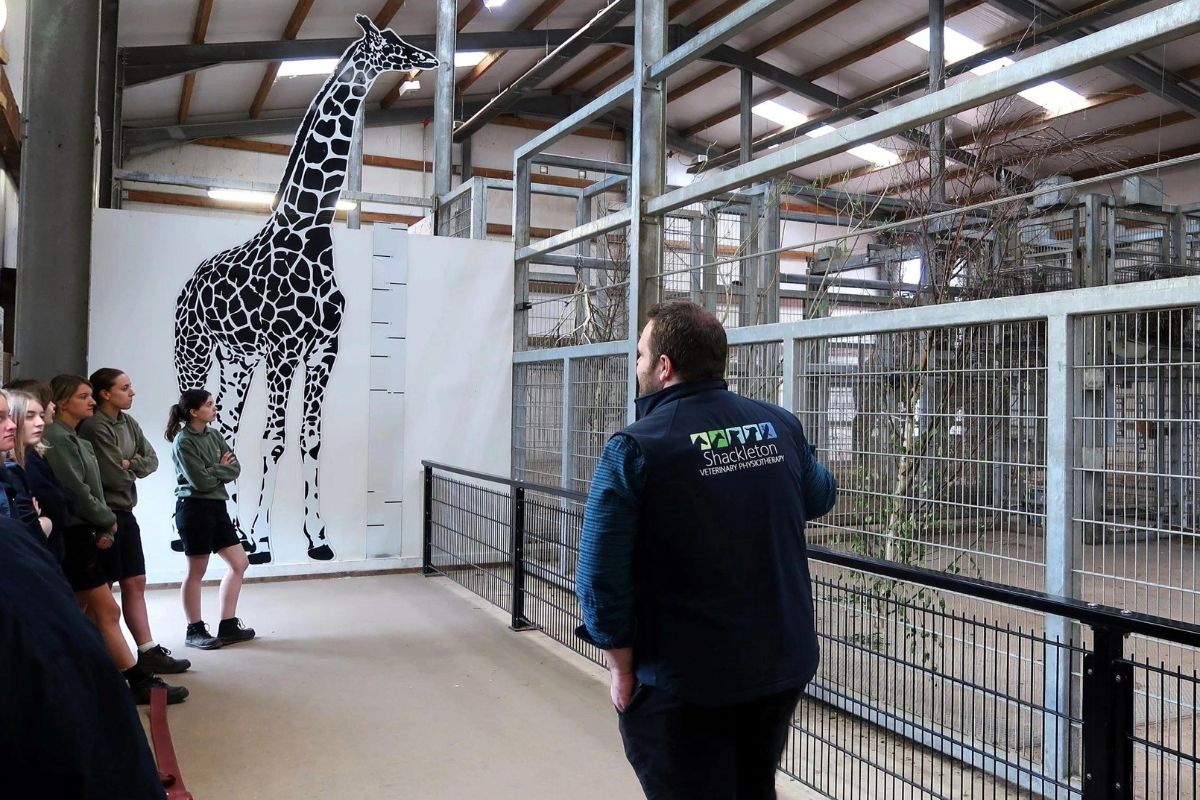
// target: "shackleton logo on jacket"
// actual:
[[731, 449]]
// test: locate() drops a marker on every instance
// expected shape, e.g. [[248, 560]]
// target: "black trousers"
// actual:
[[682, 751]]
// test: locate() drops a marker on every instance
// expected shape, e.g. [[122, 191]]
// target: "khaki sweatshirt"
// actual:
[[199, 472], [114, 440], [74, 463]]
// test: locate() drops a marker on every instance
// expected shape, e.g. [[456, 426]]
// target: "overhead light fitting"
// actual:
[[266, 199], [1052, 96], [306, 66], [469, 58], [242, 196], [489, 4], [780, 114], [410, 86]]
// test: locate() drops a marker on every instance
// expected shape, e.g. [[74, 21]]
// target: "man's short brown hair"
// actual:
[[691, 337]]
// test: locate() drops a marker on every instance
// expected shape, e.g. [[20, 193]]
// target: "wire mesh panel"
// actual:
[[538, 422], [454, 217], [470, 539], [1142, 247], [958, 697], [756, 371], [586, 304], [1165, 735], [599, 393], [1038, 254], [552, 529], [937, 439], [1137, 438]]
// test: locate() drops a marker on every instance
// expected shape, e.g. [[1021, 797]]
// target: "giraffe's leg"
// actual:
[[236, 372], [316, 379], [280, 372]]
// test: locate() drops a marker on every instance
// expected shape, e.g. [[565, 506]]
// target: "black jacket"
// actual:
[[57, 503], [70, 727], [723, 602]]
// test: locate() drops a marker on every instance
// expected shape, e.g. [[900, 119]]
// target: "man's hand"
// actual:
[[621, 690], [623, 679]]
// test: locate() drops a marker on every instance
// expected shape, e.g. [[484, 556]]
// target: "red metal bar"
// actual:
[[164, 750]]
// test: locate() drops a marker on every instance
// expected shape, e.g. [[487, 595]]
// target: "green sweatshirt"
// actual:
[[199, 472], [74, 463], [114, 440]]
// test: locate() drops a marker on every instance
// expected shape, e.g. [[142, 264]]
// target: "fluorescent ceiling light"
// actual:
[[306, 66], [493, 3], [790, 119], [867, 152], [410, 86], [1052, 96], [266, 199], [242, 196], [780, 114], [469, 58]]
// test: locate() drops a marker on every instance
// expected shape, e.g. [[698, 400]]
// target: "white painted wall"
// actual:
[[459, 373], [428, 322]]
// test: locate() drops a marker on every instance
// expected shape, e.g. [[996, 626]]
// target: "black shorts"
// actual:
[[204, 526], [125, 559], [81, 559]]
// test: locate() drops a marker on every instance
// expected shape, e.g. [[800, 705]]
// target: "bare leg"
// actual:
[[133, 605], [231, 584], [105, 614], [189, 591]]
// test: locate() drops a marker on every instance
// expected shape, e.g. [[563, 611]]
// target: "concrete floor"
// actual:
[[390, 686]]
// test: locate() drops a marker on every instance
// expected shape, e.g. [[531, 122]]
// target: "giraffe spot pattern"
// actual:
[[273, 300]]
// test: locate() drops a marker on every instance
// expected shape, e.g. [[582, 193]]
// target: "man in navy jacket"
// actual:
[[693, 573]]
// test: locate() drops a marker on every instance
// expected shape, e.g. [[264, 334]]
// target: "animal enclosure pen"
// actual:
[[927, 687], [998, 363]]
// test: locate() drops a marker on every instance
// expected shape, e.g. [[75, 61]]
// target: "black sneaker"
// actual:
[[198, 636], [232, 630], [141, 691], [158, 661]]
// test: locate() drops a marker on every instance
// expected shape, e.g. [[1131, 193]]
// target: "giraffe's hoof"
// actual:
[[261, 557], [321, 552]]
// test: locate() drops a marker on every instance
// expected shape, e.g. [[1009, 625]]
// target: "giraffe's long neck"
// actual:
[[316, 170]]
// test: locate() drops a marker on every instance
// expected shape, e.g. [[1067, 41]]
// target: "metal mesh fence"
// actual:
[[1166, 757], [937, 439], [454, 217], [470, 537], [1038, 255], [598, 400], [538, 422], [552, 529], [756, 371], [584, 304], [946, 681]]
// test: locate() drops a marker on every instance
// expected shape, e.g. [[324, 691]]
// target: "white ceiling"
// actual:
[[226, 92]]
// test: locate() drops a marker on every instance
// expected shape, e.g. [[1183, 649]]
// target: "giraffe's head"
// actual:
[[385, 51]]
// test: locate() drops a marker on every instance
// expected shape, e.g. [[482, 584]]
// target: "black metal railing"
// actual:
[[931, 685]]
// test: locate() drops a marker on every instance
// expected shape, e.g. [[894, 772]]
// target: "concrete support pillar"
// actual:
[[58, 188]]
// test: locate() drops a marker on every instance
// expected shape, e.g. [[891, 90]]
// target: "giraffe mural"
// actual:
[[274, 299]]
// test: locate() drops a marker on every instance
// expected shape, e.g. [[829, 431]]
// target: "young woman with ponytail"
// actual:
[[91, 529], [204, 463]]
